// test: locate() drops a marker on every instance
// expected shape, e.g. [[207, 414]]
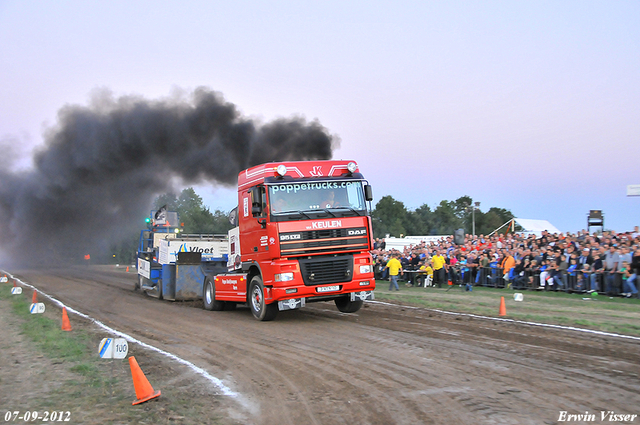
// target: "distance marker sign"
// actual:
[[16, 290], [36, 308], [113, 348]]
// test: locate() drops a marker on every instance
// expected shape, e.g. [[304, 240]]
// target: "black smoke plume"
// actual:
[[103, 164]]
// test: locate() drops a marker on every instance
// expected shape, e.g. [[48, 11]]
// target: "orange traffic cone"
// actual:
[[144, 390], [34, 299], [66, 326], [127, 269], [503, 308]]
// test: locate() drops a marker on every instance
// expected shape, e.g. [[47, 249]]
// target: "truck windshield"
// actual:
[[317, 195]]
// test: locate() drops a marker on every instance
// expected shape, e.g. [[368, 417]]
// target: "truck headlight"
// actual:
[[365, 269], [283, 277]]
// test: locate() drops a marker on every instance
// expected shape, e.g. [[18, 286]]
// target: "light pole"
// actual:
[[473, 217]]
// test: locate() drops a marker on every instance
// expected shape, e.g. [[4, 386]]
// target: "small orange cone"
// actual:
[[66, 326], [503, 308], [34, 299], [127, 269], [144, 390]]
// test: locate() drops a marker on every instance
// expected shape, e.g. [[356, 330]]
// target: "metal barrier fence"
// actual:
[[494, 277]]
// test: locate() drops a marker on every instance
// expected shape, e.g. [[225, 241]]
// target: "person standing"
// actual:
[[634, 267], [611, 263], [626, 283], [597, 273], [438, 262], [507, 264], [394, 267]]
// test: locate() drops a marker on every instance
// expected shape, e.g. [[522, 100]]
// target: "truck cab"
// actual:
[[303, 234]]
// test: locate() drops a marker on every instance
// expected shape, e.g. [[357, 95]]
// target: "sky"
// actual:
[[529, 106]]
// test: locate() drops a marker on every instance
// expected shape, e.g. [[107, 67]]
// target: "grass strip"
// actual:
[[598, 312], [95, 390]]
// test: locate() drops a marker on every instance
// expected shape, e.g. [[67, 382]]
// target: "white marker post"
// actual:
[[36, 308], [113, 348]]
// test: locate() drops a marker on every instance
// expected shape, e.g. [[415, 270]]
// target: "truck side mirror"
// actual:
[[256, 201], [233, 217], [368, 192]]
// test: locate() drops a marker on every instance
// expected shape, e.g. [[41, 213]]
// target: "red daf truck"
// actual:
[[303, 234]]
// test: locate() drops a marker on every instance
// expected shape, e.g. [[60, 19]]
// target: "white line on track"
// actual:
[[217, 382], [499, 319]]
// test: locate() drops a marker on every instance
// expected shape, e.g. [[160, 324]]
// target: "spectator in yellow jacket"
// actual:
[[439, 263], [426, 273], [394, 267]]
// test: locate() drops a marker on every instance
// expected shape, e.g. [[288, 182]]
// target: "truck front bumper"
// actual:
[[295, 303]]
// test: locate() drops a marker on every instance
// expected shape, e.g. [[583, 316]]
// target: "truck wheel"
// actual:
[[209, 297], [259, 308], [345, 304]]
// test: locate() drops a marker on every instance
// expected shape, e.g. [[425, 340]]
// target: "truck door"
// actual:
[[254, 241]]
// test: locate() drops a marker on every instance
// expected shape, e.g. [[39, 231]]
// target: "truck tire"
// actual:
[[209, 297], [345, 305], [259, 308]]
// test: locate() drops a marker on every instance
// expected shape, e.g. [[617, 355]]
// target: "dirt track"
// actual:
[[384, 365]]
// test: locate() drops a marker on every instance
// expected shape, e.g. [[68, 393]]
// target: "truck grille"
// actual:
[[323, 241], [323, 270]]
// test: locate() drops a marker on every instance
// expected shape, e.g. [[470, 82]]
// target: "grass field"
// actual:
[[44, 369], [598, 312]]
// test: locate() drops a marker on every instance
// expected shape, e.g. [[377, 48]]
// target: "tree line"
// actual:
[[193, 214], [388, 217], [391, 217]]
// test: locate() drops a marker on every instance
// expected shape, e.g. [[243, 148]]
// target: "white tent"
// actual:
[[536, 227]]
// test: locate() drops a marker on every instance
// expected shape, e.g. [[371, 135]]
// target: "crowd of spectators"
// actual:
[[606, 262]]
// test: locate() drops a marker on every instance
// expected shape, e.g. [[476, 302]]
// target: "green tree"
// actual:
[[492, 219], [389, 217], [196, 217], [421, 221], [445, 218]]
